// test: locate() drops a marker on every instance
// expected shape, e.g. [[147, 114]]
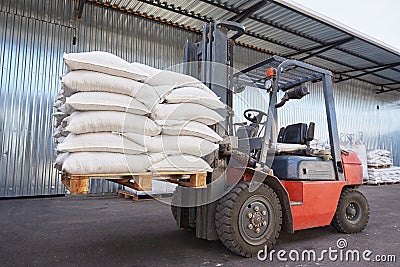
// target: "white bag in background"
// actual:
[[105, 63], [186, 112], [379, 157], [181, 163], [174, 145], [391, 175], [361, 151], [110, 121], [100, 142], [104, 163], [101, 101], [191, 128], [194, 95]]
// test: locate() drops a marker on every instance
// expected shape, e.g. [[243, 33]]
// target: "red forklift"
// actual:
[[255, 191]]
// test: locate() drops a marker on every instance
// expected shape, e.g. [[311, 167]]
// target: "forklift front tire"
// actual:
[[246, 221], [352, 212]]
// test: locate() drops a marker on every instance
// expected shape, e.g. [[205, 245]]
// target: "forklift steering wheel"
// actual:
[[257, 118]]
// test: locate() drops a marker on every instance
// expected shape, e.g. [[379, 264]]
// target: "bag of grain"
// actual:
[[173, 145], [101, 101], [105, 63], [186, 112], [110, 121], [100, 142]]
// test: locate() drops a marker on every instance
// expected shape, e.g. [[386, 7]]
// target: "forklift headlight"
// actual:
[[268, 84]]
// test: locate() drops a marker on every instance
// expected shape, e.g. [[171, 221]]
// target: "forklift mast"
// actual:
[[211, 61]]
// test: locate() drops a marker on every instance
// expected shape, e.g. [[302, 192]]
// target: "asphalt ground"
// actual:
[[112, 231]]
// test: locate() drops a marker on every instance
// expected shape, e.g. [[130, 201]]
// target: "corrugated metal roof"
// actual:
[[286, 30]]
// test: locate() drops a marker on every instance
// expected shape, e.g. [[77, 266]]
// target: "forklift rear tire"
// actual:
[[247, 221], [352, 212]]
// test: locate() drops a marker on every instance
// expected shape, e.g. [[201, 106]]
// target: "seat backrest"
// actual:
[[293, 134], [247, 131]]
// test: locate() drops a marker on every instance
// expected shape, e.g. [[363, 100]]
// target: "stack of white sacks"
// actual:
[[120, 117], [379, 158], [385, 175], [380, 167]]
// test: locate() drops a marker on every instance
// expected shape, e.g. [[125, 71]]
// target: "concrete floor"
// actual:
[[111, 231]]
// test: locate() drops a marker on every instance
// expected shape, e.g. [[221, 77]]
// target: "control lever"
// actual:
[[232, 26]]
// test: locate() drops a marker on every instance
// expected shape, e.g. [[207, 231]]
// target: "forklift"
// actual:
[[255, 191]]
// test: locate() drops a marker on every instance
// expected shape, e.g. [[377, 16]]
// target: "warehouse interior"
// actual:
[[36, 34]]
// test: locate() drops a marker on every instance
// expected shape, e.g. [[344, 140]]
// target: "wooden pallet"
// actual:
[[380, 167], [79, 184], [142, 195], [383, 183]]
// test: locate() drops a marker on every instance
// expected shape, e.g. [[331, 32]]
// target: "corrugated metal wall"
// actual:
[[35, 33], [33, 37]]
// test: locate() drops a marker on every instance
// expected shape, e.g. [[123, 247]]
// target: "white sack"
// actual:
[[60, 132], [194, 95], [379, 157], [59, 140], [58, 117], [65, 91], [361, 151], [90, 81], [174, 145], [100, 142], [181, 163], [283, 147], [56, 122], [58, 103], [391, 174], [104, 163], [60, 160], [105, 63], [186, 112], [110, 121], [191, 128], [170, 78], [101, 101]]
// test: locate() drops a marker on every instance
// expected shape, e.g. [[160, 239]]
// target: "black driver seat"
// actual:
[[297, 133]]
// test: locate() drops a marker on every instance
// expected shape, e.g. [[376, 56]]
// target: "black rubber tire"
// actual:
[[227, 219], [340, 220]]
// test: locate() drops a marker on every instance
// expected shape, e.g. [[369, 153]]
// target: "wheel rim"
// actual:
[[353, 212], [256, 220]]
